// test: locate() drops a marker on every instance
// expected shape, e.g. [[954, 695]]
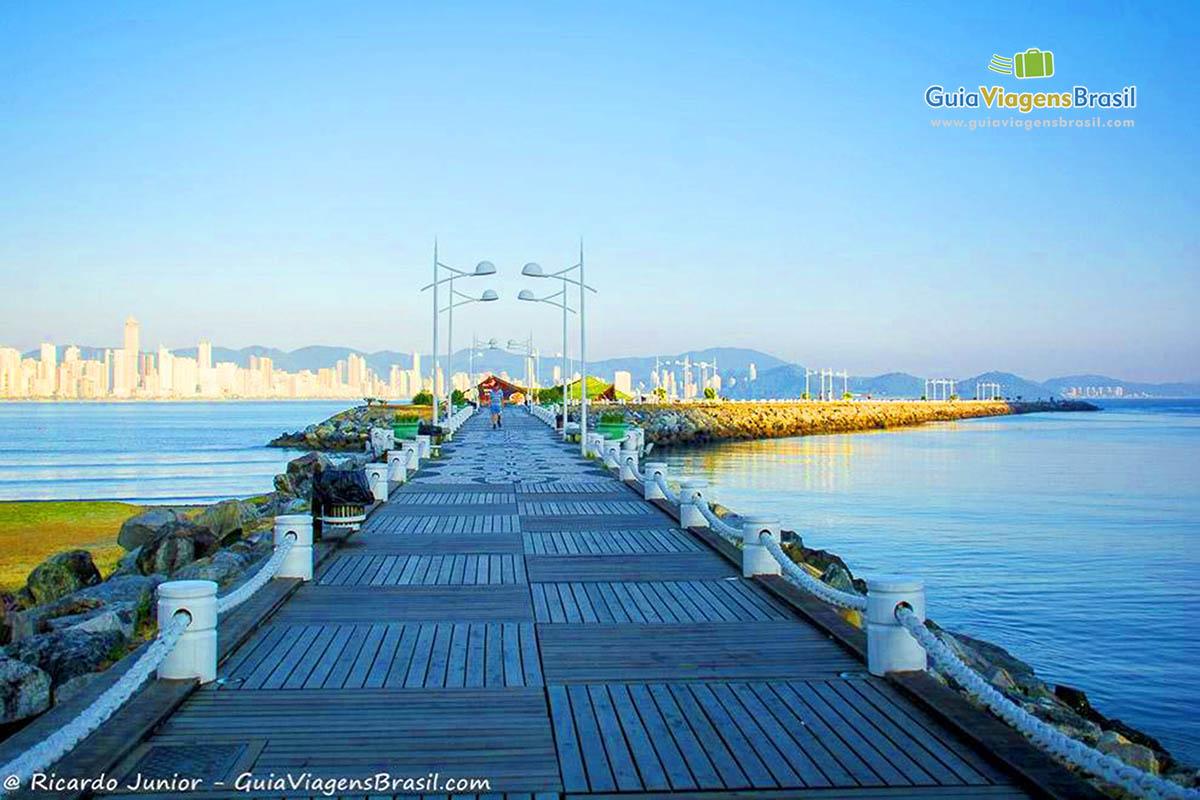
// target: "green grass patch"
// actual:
[[30, 532]]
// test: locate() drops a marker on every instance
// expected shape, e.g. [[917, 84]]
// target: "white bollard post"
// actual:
[[891, 648], [595, 443], [692, 492], [650, 490], [612, 452], [412, 457], [377, 479], [756, 559], [397, 461], [629, 461], [299, 561], [195, 655], [423, 445]]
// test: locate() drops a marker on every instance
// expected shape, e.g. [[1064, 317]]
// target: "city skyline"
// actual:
[[280, 178], [167, 374]]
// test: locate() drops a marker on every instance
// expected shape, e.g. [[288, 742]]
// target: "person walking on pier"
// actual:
[[497, 406]]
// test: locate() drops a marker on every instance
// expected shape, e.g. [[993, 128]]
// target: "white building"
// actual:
[[623, 382]]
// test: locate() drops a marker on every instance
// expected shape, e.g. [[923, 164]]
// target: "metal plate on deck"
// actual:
[[210, 763]]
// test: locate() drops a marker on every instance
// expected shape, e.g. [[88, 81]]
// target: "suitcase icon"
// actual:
[[1034, 63]]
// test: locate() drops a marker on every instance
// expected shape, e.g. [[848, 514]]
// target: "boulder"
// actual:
[[119, 617], [297, 480], [169, 552], [66, 654], [223, 567], [9, 609], [136, 589], [127, 565], [145, 527], [837, 576], [68, 689], [994, 654], [1066, 721], [24, 690], [224, 520], [1135, 755], [61, 574]]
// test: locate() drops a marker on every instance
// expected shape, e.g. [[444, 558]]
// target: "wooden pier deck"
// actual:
[[517, 614]]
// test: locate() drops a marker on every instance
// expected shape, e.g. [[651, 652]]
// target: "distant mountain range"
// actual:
[[775, 378]]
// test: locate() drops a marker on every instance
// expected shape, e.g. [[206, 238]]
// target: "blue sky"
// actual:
[[751, 174]]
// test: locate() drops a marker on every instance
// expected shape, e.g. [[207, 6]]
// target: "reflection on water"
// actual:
[[146, 452], [1072, 539]]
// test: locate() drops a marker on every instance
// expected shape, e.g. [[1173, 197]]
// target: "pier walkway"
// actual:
[[517, 614]]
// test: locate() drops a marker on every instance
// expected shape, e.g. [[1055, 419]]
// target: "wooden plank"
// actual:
[[344, 604], [916, 793], [570, 758], [658, 567], [591, 743], [503, 734]]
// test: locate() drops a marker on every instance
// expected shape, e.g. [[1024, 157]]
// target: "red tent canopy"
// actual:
[[492, 383]]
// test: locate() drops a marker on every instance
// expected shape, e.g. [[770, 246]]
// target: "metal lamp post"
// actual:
[[482, 268], [476, 344], [554, 301], [532, 364], [535, 271], [488, 296]]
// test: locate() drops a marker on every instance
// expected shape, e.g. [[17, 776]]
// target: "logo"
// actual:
[[1033, 63]]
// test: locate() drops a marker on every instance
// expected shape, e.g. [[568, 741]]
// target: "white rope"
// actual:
[[665, 489], [59, 743], [821, 589], [268, 571], [1092, 761], [719, 525], [639, 472]]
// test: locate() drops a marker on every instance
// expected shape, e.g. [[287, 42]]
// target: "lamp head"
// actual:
[[485, 268], [526, 295], [489, 295], [533, 270]]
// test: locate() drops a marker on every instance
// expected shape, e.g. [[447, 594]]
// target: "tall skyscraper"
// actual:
[[48, 370], [133, 335], [204, 355], [166, 371]]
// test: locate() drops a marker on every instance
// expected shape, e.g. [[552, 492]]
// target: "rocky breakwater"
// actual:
[[715, 421], [68, 624], [347, 430]]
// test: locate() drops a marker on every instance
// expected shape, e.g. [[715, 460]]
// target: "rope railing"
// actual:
[[663, 487], [56, 745], [798, 574], [260, 579], [1045, 736], [719, 525], [638, 471]]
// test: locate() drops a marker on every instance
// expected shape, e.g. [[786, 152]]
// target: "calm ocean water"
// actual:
[[1071, 539], [147, 452]]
